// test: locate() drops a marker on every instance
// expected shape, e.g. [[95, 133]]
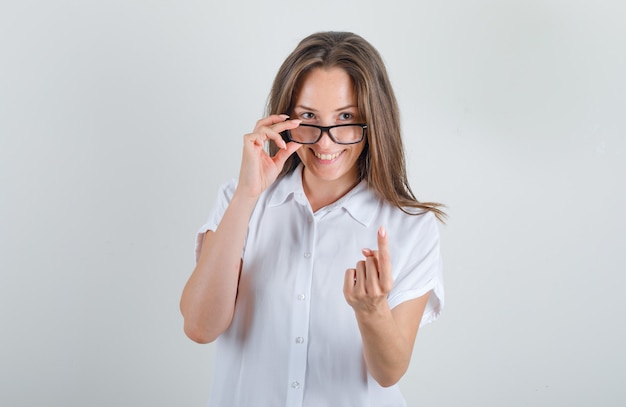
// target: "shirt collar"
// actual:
[[361, 202], [289, 185]]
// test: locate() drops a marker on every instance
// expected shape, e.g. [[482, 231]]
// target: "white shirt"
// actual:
[[294, 340]]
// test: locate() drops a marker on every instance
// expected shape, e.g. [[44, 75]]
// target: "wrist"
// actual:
[[245, 197], [373, 313], [243, 201]]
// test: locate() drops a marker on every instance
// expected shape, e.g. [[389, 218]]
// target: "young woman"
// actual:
[[317, 265]]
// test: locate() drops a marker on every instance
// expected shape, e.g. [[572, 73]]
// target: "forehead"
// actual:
[[326, 87]]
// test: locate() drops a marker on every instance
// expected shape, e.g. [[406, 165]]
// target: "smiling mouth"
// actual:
[[327, 157]]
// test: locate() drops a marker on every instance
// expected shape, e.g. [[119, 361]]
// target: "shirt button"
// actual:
[[301, 297], [299, 339], [307, 255], [295, 385]]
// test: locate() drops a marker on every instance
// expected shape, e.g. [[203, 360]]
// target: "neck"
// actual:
[[322, 193]]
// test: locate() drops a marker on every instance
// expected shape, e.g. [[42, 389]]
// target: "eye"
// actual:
[[307, 116], [346, 116]]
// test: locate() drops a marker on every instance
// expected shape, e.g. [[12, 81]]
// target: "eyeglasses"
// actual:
[[311, 134]]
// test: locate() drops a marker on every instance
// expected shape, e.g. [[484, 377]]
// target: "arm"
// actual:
[[388, 335], [388, 338], [208, 299]]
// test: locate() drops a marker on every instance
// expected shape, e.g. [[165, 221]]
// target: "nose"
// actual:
[[325, 141]]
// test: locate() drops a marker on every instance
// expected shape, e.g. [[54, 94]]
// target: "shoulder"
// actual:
[[409, 216], [415, 230], [226, 190]]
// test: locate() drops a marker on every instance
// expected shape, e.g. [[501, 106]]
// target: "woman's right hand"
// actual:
[[209, 297], [259, 170]]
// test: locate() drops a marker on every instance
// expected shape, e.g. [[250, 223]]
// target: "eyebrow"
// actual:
[[337, 110]]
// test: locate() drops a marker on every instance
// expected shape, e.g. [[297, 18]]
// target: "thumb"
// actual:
[[283, 154]]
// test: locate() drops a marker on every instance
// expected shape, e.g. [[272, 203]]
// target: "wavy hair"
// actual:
[[382, 162]]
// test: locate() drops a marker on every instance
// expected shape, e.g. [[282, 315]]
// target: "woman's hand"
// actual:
[[366, 287], [258, 169], [388, 334]]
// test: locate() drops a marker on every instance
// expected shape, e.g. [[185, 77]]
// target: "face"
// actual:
[[327, 98]]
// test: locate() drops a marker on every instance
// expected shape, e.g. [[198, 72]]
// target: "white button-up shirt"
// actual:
[[294, 340]]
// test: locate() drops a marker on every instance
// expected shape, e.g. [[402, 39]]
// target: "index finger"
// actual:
[[271, 119], [277, 123], [275, 131], [384, 259]]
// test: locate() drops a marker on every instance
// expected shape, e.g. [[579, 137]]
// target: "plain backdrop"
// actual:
[[120, 118]]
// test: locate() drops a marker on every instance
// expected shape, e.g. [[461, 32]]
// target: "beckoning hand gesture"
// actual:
[[366, 286]]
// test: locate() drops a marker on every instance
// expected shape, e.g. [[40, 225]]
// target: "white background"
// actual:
[[119, 119]]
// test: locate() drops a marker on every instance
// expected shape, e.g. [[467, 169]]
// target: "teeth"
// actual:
[[327, 157]]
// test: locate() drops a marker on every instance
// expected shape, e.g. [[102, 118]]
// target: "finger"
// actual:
[[360, 276], [371, 256], [349, 281], [384, 259], [274, 132], [254, 139], [263, 134], [277, 123], [372, 283], [383, 249], [269, 120], [282, 155]]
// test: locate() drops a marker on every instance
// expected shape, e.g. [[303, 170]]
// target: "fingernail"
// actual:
[[366, 252], [296, 121], [285, 116], [382, 232]]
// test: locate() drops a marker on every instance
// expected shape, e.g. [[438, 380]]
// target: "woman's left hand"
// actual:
[[366, 287]]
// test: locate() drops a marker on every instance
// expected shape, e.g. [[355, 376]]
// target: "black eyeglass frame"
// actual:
[[286, 135]]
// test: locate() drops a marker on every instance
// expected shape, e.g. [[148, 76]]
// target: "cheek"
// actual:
[[360, 151], [301, 152]]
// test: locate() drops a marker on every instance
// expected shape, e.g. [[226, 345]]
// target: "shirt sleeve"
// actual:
[[224, 196], [421, 271]]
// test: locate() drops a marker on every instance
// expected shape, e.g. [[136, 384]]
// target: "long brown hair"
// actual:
[[382, 162]]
